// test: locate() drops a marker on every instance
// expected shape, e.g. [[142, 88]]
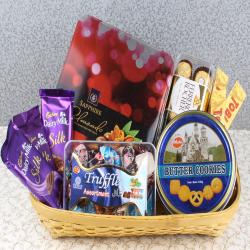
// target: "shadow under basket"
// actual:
[[63, 223]]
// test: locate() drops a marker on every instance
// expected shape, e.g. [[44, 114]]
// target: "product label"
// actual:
[[195, 170], [96, 120], [187, 95], [56, 116]]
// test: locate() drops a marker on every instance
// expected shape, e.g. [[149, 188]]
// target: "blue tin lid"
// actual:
[[196, 165]]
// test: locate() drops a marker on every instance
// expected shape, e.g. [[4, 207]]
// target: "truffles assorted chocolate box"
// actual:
[[110, 177]]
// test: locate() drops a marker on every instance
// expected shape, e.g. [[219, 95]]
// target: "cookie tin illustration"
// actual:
[[195, 164]]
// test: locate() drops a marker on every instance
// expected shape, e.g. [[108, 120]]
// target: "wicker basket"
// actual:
[[62, 223]]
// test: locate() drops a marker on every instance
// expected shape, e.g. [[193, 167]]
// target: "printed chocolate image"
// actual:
[[128, 156], [50, 182], [104, 210], [126, 194], [126, 134], [123, 156], [59, 163], [86, 206], [121, 211], [82, 154]]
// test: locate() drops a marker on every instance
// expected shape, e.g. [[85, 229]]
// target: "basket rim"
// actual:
[[52, 211]]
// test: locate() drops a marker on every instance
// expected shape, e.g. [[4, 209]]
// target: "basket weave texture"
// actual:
[[62, 223]]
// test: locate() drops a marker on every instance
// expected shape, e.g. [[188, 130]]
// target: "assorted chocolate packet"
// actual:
[[110, 178], [30, 124], [27, 163], [57, 108]]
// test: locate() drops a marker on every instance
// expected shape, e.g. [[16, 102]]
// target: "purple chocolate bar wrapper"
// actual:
[[26, 163], [31, 125], [57, 108]]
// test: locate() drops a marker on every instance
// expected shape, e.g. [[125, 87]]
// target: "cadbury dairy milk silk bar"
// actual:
[[26, 163], [30, 124], [57, 108]]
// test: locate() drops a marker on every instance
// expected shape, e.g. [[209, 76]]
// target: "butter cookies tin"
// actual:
[[196, 166]]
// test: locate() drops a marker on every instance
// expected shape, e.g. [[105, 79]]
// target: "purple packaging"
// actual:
[[30, 124], [26, 163], [57, 108]]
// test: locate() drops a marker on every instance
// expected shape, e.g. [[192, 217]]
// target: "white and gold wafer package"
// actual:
[[223, 107]]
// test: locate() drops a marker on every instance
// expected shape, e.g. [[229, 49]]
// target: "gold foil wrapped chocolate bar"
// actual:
[[225, 108], [191, 86], [25, 160], [219, 93]]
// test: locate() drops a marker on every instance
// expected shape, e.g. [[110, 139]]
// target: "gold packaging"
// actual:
[[222, 107], [191, 87]]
